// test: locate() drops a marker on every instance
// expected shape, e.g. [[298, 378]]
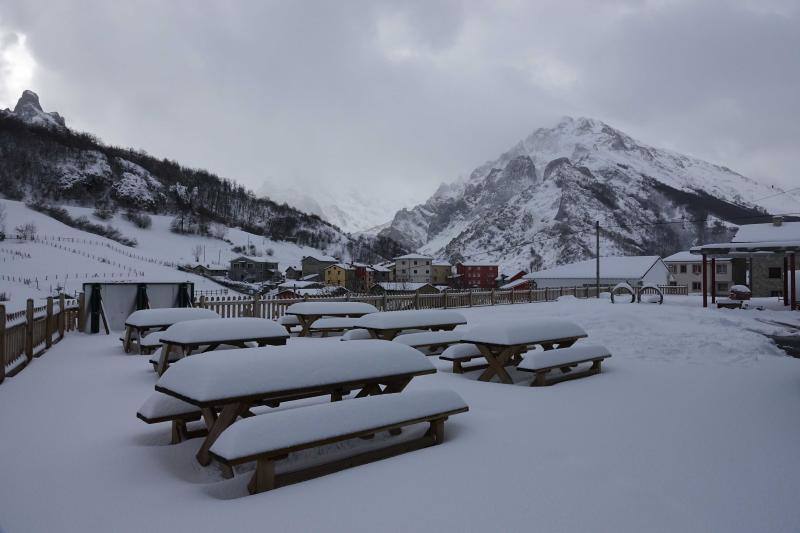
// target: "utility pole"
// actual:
[[597, 257]]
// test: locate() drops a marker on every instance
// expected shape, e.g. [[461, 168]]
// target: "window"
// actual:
[[671, 268], [415, 264], [683, 269], [774, 273], [722, 269], [696, 286], [696, 269], [415, 270]]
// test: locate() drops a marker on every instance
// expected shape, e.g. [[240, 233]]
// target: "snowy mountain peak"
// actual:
[[30, 110]]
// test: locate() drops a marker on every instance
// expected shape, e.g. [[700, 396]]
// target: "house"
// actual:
[[687, 269], [634, 270], [252, 269], [313, 292], [300, 284], [403, 288], [519, 284], [313, 277], [441, 272], [363, 277], [504, 278], [413, 268], [340, 275], [477, 275], [207, 270], [382, 272], [316, 264], [293, 272]]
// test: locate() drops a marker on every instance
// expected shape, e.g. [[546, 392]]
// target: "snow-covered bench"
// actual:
[[501, 344], [226, 385], [429, 341], [270, 438], [333, 324], [728, 303], [541, 363], [150, 343], [387, 325], [160, 408], [188, 336], [355, 335], [620, 289], [462, 353], [139, 323], [288, 321], [309, 312]]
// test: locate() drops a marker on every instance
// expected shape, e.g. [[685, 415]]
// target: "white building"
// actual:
[[687, 269], [414, 268], [634, 270]]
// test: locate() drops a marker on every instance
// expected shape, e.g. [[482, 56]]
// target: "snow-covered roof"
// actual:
[[515, 283], [322, 257], [415, 256], [477, 264], [380, 268], [614, 267], [401, 286], [441, 262], [343, 266], [254, 259], [298, 284], [688, 257], [221, 329], [787, 231]]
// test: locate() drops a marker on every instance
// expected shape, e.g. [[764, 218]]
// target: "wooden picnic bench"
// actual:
[[502, 344], [140, 323], [160, 408], [337, 324], [185, 337], [429, 342], [226, 385], [564, 359], [309, 312], [270, 438], [388, 324]]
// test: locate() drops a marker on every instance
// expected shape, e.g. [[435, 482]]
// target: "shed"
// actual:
[[634, 270]]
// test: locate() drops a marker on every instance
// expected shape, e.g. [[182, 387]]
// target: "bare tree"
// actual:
[[26, 231], [218, 230], [197, 252]]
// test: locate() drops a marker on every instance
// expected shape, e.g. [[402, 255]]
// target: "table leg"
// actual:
[[226, 417], [126, 342], [166, 348], [496, 363]]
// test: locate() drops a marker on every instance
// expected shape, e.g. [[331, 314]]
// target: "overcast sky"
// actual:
[[372, 94]]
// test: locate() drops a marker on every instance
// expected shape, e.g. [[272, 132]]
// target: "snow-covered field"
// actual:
[[68, 257], [692, 426]]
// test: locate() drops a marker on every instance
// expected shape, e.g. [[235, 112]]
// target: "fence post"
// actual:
[[81, 312], [491, 298], [48, 323], [530, 295], [29, 330], [202, 303], [469, 298], [416, 300], [256, 306], [383, 303], [62, 315], [2, 342]]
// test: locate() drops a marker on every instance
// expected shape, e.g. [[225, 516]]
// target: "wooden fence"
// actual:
[[28, 333]]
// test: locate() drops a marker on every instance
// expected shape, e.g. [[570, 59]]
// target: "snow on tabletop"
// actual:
[[549, 358], [464, 349], [333, 323], [523, 331], [410, 319], [289, 320], [220, 329], [428, 337], [159, 405], [283, 429], [740, 288], [356, 335], [330, 308], [151, 340], [217, 376], [167, 315]]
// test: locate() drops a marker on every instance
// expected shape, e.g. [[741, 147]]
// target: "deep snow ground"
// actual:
[[692, 426]]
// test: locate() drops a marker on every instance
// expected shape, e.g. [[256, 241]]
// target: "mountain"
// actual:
[[536, 205], [42, 161]]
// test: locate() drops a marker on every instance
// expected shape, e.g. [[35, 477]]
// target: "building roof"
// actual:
[[321, 258], [415, 256], [441, 262], [614, 267], [343, 266], [380, 268], [787, 231], [476, 264], [515, 283], [298, 284], [254, 259], [688, 257], [401, 286]]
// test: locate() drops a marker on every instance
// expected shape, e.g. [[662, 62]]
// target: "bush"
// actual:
[[82, 223], [104, 212], [140, 220]]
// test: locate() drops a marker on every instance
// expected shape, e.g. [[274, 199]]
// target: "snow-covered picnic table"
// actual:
[[388, 324], [139, 323], [230, 383], [186, 337], [502, 344], [309, 312]]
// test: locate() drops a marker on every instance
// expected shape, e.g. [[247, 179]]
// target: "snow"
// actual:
[[419, 257], [217, 376], [330, 308], [787, 231], [562, 356], [333, 323], [151, 340], [298, 284], [289, 320], [159, 405], [460, 350], [426, 338], [168, 316], [222, 329], [514, 284], [740, 288], [293, 427], [410, 319], [523, 331], [627, 267], [356, 335], [401, 286], [692, 426]]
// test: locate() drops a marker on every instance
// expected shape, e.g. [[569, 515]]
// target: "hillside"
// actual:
[[535, 205], [42, 159]]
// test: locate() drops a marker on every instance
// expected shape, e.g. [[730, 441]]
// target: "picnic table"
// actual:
[[139, 323], [388, 324], [226, 385], [309, 312], [186, 337], [501, 344]]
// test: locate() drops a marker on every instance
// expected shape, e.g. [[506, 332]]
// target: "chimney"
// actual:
[[777, 221]]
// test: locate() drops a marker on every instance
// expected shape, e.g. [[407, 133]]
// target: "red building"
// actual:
[[477, 275]]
